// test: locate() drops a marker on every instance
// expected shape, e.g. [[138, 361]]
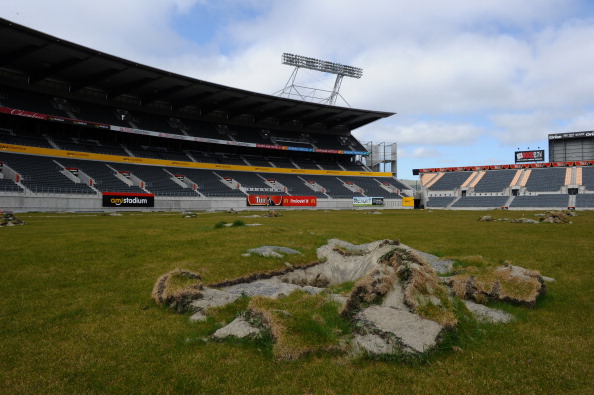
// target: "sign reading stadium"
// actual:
[[530, 156], [368, 201], [121, 199], [276, 200]]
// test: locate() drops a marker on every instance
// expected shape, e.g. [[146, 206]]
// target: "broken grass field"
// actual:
[[413, 310], [77, 317], [301, 323]]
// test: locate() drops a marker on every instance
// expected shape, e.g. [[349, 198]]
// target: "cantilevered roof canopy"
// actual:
[[37, 57]]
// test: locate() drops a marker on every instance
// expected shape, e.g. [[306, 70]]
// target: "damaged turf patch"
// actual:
[[177, 289], [508, 283], [424, 294], [301, 323], [381, 299]]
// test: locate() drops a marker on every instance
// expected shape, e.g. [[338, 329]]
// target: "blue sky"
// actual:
[[471, 81]]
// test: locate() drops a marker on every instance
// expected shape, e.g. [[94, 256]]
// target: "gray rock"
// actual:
[[273, 251], [547, 279], [213, 298], [524, 221], [338, 267], [271, 288], [487, 314], [238, 328], [198, 316], [415, 333], [395, 298], [440, 265], [372, 344]]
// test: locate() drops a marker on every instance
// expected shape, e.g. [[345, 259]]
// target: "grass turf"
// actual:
[[77, 315]]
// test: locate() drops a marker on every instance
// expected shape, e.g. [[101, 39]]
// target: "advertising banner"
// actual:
[[408, 202], [277, 200], [368, 201], [309, 201], [575, 135], [121, 199], [22, 113], [530, 156], [29, 114]]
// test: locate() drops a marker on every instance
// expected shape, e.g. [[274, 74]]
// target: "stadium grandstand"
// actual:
[[550, 185], [81, 130]]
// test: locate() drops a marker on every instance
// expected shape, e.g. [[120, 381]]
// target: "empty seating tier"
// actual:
[[156, 180], [439, 201], [588, 178], [584, 200], [9, 186], [450, 181], [495, 181], [104, 177], [481, 201], [550, 200], [207, 182], [333, 186], [546, 180], [42, 174], [295, 185]]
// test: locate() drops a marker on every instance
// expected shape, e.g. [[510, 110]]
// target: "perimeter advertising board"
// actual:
[[276, 200], [368, 201], [117, 199], [408, 202]]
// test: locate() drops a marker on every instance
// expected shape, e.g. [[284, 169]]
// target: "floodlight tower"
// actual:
[[311, 94]]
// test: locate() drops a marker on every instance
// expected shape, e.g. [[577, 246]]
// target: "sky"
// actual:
[[470, 81]]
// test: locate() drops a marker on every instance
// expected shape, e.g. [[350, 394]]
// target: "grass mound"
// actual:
[[424, 294], [301, 324], [177, 289], [8, 219], [508, 283]]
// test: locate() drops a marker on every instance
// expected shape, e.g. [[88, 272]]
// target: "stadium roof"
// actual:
[[38, 57]]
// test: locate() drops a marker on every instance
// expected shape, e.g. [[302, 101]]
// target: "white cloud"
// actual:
[[133, 29], [430, 133], [517, 128], [421, 152], [583, 122]]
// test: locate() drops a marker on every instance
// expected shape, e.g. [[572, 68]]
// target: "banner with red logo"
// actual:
[[277, 200], [529, 156]]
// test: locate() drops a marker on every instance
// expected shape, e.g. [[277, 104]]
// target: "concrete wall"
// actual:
[[19, 202]]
